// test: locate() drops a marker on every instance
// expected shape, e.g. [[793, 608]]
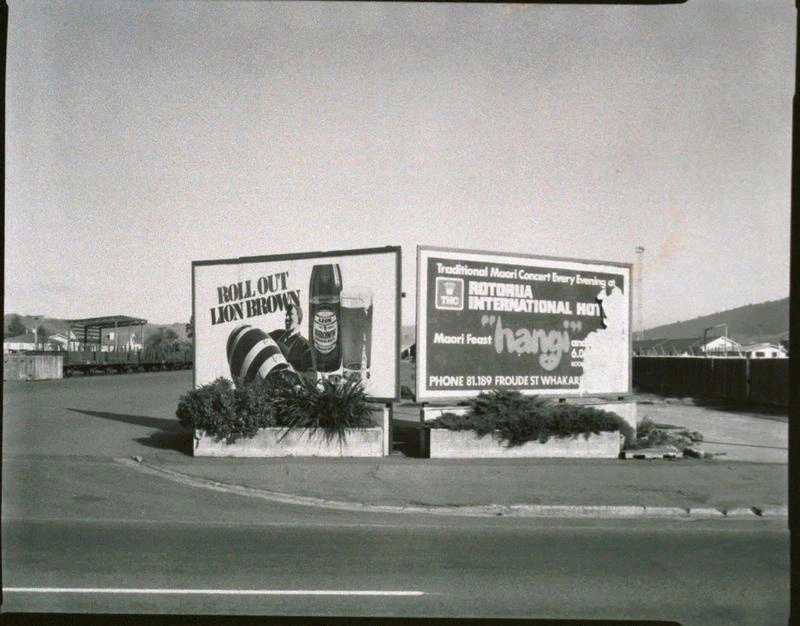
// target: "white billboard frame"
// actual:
[[392, 387], [423, 391]]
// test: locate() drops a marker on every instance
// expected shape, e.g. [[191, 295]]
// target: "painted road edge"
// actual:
[[214, 592], [486, 510]]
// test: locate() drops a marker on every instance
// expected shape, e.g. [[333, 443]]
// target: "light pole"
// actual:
[[639, 294]]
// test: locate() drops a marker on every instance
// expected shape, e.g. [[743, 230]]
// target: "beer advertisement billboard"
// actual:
[[539, 325], [316, 315]]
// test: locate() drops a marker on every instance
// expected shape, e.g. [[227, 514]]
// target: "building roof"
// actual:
[[26, 338], [109, 321], [688, 345], [762, 346], [89, 329]]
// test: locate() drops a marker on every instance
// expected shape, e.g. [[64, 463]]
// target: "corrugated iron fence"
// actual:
[[755, 381]]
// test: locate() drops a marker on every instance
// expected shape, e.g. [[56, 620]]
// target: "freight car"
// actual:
[[126, 361]]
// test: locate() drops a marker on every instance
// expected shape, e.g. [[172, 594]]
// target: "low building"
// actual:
[[28, 342], [19, 343], [60, 339], [693, 346], [765, 351], [721, 346]]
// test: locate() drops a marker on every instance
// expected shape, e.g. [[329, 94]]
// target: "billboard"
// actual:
[[317, 315], [539, 325]]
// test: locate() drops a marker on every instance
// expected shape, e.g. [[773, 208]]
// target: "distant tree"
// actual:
[[15, 327], [190, 328], [165, 338], [184, 344], [41, 334]]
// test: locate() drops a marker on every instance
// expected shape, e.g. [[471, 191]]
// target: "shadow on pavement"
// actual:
[[170, 434], [180, 442]]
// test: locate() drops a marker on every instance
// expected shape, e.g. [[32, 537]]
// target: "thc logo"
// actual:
[[450, 294]]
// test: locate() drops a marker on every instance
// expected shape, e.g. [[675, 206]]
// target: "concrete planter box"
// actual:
[[462, 444], [267, 443]]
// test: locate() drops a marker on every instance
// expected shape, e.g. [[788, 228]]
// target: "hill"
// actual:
[[767, 321]]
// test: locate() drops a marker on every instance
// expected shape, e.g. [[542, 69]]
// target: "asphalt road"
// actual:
[[83, 533], [116, 415], [699, 575], [100, 537]]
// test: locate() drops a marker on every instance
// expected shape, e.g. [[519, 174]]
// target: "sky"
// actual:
[[142, 136]]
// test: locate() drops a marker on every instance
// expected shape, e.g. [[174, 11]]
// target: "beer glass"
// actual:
[[356, 303]]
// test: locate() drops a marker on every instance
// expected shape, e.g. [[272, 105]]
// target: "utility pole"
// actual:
[[639, 295]]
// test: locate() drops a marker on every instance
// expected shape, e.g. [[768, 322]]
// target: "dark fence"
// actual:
[[753, 381]]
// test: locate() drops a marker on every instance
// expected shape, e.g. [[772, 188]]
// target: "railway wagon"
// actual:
[[126, 361]]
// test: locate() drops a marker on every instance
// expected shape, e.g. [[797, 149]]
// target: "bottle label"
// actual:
[[326, 331]]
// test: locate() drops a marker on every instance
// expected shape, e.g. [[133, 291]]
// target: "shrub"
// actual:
[[567, 419], [225, 411], [229, 412], [515, 419], [453, 421], [326, 405], [650, 434]]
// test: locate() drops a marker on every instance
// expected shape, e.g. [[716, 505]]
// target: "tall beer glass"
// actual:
[[356, 303]]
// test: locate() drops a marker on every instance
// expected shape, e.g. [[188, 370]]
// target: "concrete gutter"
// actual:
[[487, 510]]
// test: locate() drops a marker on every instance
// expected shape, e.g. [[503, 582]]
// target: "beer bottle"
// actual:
[[324, 319]]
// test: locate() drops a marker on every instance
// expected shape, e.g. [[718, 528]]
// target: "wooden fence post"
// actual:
[[748, 387]]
